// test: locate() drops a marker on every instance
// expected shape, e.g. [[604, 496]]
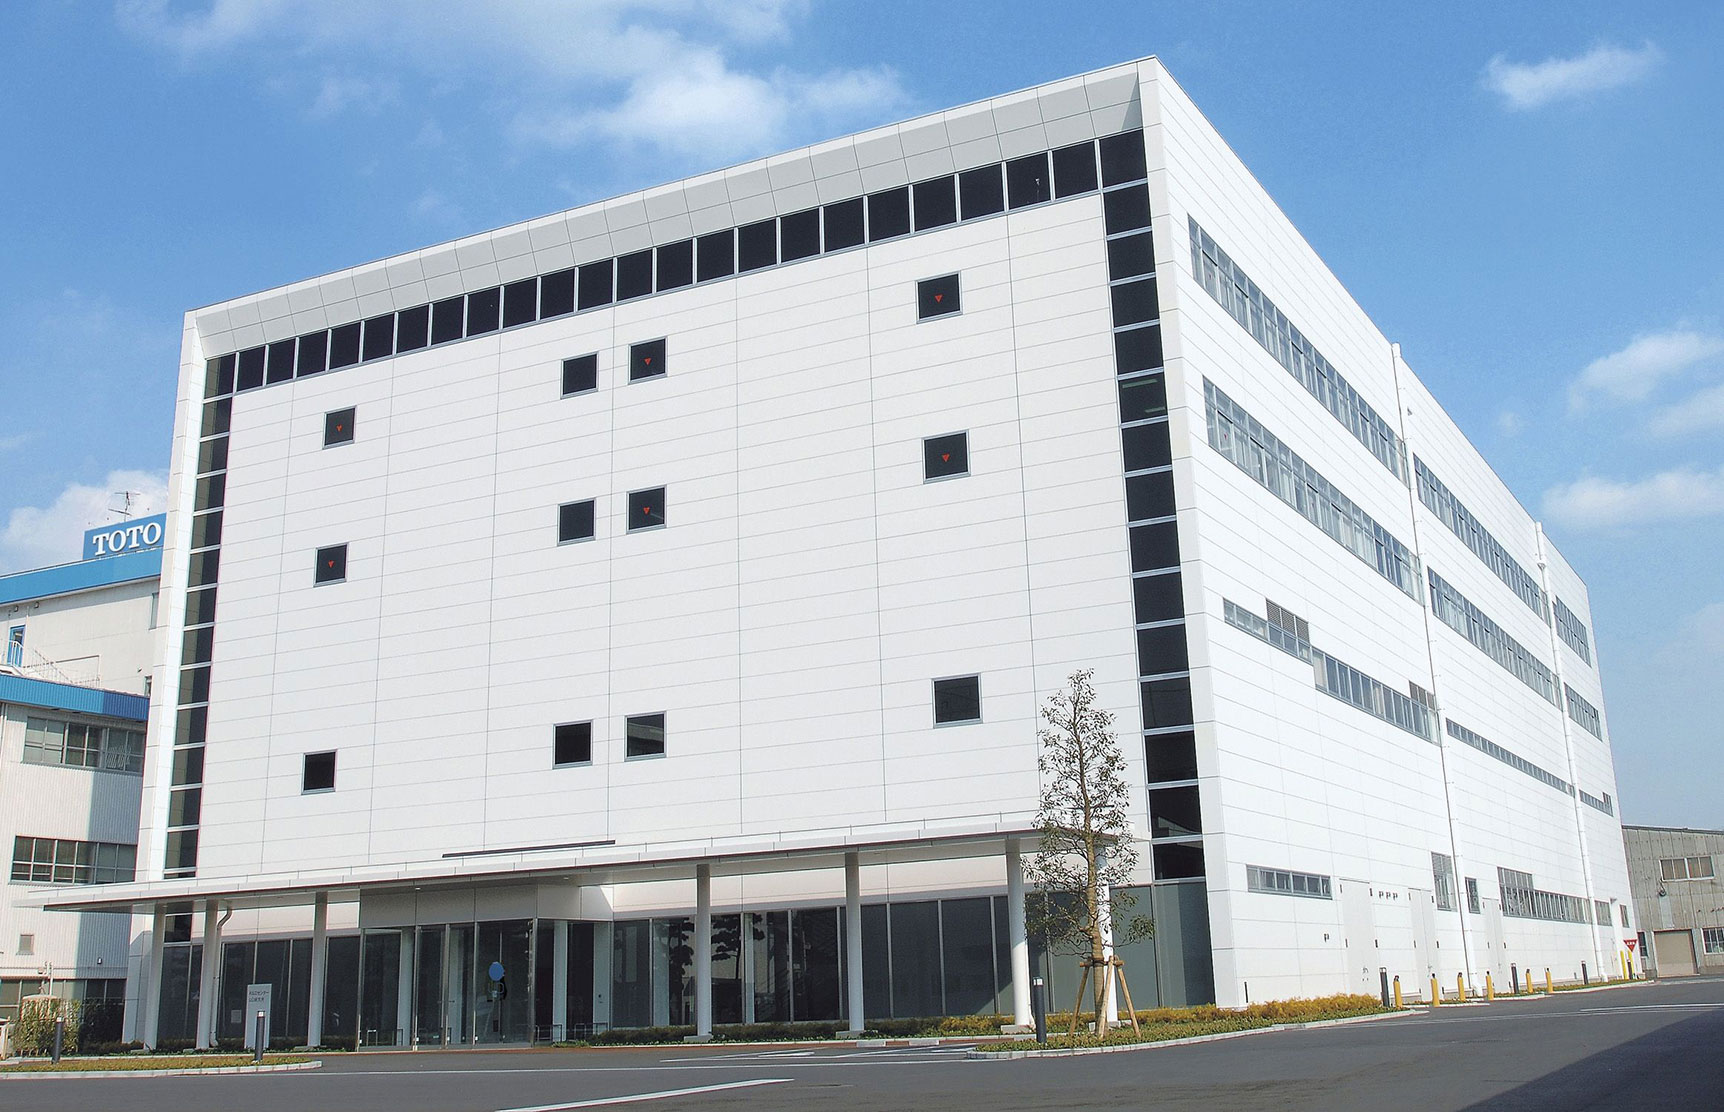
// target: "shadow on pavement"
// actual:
[[1676, 1067]]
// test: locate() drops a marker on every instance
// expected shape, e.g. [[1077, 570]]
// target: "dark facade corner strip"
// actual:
[[1246, 304], [1278, 469], [1573, 632], [1451, 512], [1458, 613], [972, 194]]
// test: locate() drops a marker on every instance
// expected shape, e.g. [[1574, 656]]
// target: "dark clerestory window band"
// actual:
[[970, 194]]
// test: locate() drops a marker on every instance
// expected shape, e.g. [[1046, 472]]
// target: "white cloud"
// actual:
[[1510, 424], [38, 536], [1602, 504], [1635, 371], [662, 73], [1700, 412], [1524, 86], [336, 94], [15, 441]]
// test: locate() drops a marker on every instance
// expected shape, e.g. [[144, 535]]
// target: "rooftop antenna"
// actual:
[[125, 498]]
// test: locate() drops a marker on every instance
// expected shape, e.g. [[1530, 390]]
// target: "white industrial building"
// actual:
[[80, 647], [650, 605]]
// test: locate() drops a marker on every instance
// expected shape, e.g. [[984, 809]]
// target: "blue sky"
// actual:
[[1526, 197]]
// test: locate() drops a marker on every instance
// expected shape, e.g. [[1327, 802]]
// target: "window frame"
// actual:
[[317, 579], [923, 289], [963, 438], [352, 413], [579, 363], [305, 772], [629, 738], [592, 521], [645, 351], [629, 510], [934, 700]]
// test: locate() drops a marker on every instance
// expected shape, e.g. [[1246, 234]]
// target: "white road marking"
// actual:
[[637, 1098]]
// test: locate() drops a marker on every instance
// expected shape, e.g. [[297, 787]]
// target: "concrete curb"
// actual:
[[1072, 1052], [57, 1075]]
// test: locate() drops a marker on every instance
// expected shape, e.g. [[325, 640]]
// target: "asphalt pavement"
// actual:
[[1652, 1046]]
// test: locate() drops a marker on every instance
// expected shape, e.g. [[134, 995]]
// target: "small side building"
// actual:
[[74, 701], [1678, 898]]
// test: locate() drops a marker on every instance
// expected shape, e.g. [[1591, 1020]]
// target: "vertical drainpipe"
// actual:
[[1568, 751], [1458, 880]]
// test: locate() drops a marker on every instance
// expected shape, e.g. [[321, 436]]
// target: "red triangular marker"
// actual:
[[946, 457]]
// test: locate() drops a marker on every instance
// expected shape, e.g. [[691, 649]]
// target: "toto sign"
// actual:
[[126, 536]]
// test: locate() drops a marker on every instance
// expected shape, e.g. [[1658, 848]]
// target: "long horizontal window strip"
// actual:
[[1292, 635], [49, 741], [1514, 760], [1278, 469], [1584, 714], [1440, 500], [971, 194], [1520, 900], [1573, 632], [67, 861], [1598, 803], [1460, 615], [1245, 303], [1284, 882]]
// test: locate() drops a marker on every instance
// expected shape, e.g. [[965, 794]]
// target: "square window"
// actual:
[[1158, 598], [676, 265], [757, 245], [580, 374], [338, 427], [1171, 756], [936, 203], [843, 220], [1149, 496], [1142, 398], [1027, 181], [1146, 446], [1074, 169], [1135, 303], [520, 302], [981, 191], [1162, 650], [557, 294], [331, 564], [1175, 813], [595, 286], [484, 311], [717, 255], [799, 235], [575, 521], [937, 297], [251, 368], [1166, 703], [1122, 158], [646, 509], [1154, 546], [206, 530], [646, 360], [888, 214], [946, 457], [447, 320], [644, 736], [211, 491], [379, 342], [219, 375], [316, 356], [957, 700], [1126, 209], [1129, 256], [218, 417], [413, 328], [280, 362], [318, 774], [572, 744], [1137, 349], [212, 455], [634, 275]]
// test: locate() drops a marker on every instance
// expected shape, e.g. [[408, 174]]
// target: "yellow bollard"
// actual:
[[1436, 993], [1397, 994], [1548, 987], [1490, 987], [1461, 987], [1624, 958]]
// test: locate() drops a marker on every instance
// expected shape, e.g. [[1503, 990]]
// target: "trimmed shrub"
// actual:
[[33, 1033]]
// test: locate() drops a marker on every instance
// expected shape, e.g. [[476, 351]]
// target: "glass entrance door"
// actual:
[[429, 1025], [503, 982]]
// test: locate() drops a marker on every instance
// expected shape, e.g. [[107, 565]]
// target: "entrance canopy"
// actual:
[[586, 864]]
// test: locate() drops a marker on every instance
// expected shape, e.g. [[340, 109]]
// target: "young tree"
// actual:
[[1086, 852]]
